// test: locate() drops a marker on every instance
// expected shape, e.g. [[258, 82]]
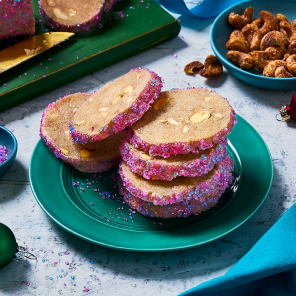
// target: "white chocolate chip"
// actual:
[[57, 12], [105, 114], [219, 115], [54, 115], [185, 129], [75, 110], [51, 2], [172, 121], [145, 156], [64, 151], [79, 123], [72, 12], [153, 194], [90, 99], [163, 120], [103, 109], [116, 100], [200, 117], [129, 99], [84, 153], [128, 89]]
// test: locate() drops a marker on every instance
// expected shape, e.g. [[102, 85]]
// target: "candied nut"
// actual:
[[219, 115], [291, 64], [243, 60], [174, 122], [193, 67], [236, 33], [105, 114], [269, 70], [285, 57], [128, 89], [200, 117], [103, 109], [64, 151], [239, 44], [281, 18], [145, 156], [79, 123], [248, 31], [257, 22], [281, 72], [213, 68], [84, 153], [58, 13], [286, 28], [72, 12], [292, 48], [129, 99], [273, 38], [255, 43], [239, 21], [260, 59], [275, 52], [51, 2], [54, 115], [162, 120], [160, 103], [116, 100], [270, 22]]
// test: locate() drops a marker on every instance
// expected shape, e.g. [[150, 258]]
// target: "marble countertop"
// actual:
[[126, 273]]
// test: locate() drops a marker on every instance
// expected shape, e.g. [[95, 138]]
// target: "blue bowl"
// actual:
[[221, 30], [8, 140]]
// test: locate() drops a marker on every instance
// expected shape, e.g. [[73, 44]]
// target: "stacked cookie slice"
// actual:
[[175, 159]]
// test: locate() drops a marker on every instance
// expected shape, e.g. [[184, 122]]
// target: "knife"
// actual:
[[29, 48]]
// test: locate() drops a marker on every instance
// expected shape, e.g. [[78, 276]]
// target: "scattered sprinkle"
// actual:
[[50, 278], [28, 283], [38, 237], [72, 277], [91, 261]]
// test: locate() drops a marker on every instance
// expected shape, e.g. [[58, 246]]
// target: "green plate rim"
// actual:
[[163, 249]]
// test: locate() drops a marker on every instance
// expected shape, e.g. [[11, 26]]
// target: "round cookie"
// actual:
[[183, 121], [72, 16], [54, 131], [161, 192], [116, 105], [159, 168], [180, 209]]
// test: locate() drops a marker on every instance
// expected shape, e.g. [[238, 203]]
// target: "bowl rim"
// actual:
[[227, 62], [14, 144]]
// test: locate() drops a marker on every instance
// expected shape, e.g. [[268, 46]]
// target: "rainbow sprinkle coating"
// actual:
[[177, 210], [126, 118], [151, 169], [166, 149], [89, 166], [218, 183], [16, 18], [76, 28], [3, 154]]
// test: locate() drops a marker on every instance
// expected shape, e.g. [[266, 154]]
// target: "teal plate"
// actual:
[[102, 217]]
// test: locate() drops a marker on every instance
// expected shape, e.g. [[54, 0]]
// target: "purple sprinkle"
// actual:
[[174, 55], [67, 252], [3, 154], [67, 263]]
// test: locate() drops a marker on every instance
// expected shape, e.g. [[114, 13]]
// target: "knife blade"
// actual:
[[22, 51]]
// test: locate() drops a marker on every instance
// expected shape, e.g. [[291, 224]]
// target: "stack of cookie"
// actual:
[[175, 159]]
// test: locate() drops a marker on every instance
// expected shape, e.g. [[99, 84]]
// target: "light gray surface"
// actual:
[[126, 273]]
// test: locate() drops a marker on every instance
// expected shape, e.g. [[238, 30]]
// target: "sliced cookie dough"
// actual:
[[183, 121], [54, 131], [161, 192], [159, 168], [72, 16], [116, 105]]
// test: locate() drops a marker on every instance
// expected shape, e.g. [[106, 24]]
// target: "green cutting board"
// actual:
[[144, 25]]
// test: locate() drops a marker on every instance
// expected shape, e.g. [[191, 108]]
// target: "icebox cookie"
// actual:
[[183, 121], [54, 131], [78, 15], [161, 192], [116, 105]]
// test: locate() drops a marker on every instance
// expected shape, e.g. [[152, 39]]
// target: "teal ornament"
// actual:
[[8, 245]]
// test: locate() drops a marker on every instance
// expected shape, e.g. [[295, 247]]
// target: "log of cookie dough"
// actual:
[[160, 192], [159, 168], [183, 121], [16, 18], [72, 16], [116, 105], [177, 210], [54, 131]]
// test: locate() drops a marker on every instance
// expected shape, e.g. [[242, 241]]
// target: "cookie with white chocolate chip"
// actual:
[[72, 15], [183, 121], [116, 105], [54, 131]]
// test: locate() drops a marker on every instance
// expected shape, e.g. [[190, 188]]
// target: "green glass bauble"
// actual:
[[8, 245]]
